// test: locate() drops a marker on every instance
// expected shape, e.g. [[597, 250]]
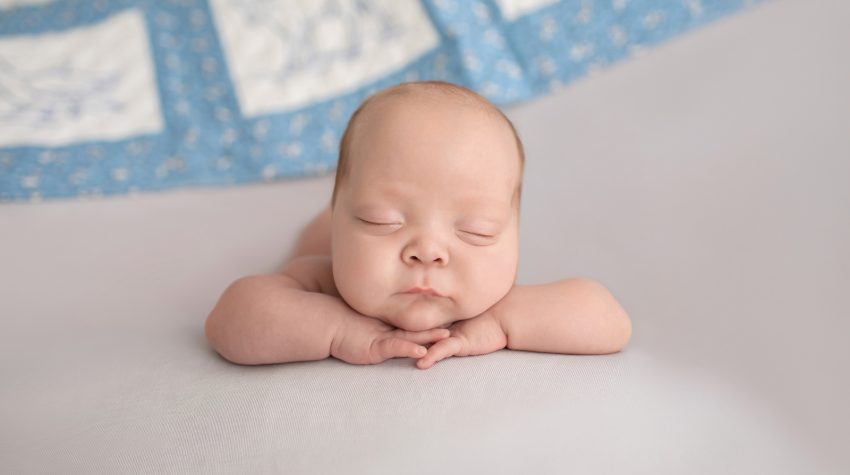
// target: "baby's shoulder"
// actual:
[[314, 272]]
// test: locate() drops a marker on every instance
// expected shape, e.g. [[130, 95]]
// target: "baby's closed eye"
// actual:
[[379, 222], [477, 238], [380, 226]]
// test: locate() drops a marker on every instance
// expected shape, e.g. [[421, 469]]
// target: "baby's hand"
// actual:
[[476, 336], [365, 340]]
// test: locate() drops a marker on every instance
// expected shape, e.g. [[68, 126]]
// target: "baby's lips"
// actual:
[[424, 291]]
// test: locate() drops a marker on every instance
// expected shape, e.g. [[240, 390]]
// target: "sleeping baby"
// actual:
[[417, 255]]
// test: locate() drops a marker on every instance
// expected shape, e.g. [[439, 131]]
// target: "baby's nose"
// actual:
[[425, 254], [414, 258]]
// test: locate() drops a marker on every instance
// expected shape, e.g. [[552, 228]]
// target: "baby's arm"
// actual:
[[298, 315], [276, 318], [573, 316]]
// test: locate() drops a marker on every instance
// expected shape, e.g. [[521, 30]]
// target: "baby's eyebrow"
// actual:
[[494, 210], [485, 214], [475, 220], [373, 203], [389, 191], [472, 205]]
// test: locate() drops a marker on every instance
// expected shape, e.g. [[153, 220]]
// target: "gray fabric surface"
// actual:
[[705, 183]]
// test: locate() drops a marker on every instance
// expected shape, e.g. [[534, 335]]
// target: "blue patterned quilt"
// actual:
[[102, 97]]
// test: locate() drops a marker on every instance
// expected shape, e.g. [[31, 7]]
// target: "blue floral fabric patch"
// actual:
[[104, 97]]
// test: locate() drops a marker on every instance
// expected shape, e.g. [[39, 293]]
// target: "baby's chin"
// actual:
[[422, 313]]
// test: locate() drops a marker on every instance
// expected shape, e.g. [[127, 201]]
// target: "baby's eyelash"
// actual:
[[378, 224], [479, 234], [476, 239]]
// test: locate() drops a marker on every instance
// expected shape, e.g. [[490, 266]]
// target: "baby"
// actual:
[[417, 255]]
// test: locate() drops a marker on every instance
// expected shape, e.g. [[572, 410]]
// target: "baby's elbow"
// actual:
[[617, 332], [623, 332], [621, 326], [618, 324], [216, 333], [219, 326]]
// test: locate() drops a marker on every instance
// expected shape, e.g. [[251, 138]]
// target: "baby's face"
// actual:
[[428, 204]]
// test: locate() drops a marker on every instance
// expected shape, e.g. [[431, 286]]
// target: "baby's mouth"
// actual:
[[423, 291]]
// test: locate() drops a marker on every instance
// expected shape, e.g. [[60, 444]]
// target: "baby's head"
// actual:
[[427, 196]]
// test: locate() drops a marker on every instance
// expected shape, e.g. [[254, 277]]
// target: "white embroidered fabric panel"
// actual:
[[286, 54], [90, 83], [513, 9]]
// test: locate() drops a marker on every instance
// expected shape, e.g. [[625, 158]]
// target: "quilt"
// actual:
[[105, 97]]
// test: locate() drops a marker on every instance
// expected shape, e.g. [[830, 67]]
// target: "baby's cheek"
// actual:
[[361, 281], [492, 281]]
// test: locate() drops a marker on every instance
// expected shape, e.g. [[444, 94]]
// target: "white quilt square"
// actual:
[[513, 9], [90, 83], [284, 54]]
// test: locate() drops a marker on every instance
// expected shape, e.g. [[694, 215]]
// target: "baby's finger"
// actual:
[[398, 348], [425, 336], [439, 351]]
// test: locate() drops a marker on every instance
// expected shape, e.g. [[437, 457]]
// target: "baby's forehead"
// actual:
[[437, 101], [470, 116], [420, 120]]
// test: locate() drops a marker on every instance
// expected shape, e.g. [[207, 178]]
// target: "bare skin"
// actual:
[[594, 321], [416, 259]]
